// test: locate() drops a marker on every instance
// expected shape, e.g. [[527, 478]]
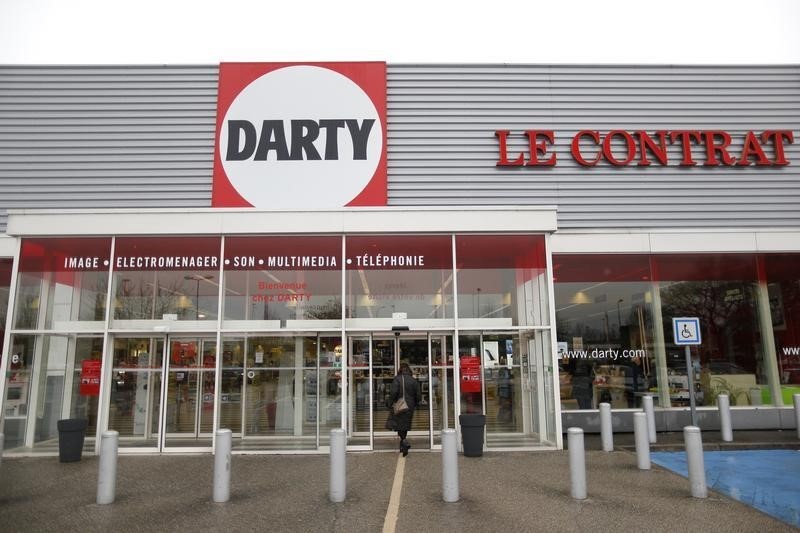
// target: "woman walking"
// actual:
[[403, 386]]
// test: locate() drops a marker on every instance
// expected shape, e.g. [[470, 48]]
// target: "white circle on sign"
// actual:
[[251, 374], [301, 93]]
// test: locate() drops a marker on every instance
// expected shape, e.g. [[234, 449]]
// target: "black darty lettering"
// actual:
[[245, 141]]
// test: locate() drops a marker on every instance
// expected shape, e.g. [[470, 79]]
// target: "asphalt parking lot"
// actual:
[[514, 491]]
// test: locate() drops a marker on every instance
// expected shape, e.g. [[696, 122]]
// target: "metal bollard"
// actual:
[[606, 430], [338, 480], [449, 466], [724, 405], [577, 463], [642, 441], [3, 441], [222, 466], [647, 406], [107, 470], [694, 461], [796, 400]]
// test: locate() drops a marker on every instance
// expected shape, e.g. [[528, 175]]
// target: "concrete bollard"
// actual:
[[577, 463], [694, 461], [724, 405], [107, 469], [796, 400], [449, 466], [642, 441], [338, 479], [606, 430], [222, 466], [647, 407]]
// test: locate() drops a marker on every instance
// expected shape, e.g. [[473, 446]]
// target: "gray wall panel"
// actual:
[[442, 148], [142, 136], [138, 136]]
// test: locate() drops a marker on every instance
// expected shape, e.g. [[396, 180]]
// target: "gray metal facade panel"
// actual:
[[443, 151], [142, 136], [95, 137]]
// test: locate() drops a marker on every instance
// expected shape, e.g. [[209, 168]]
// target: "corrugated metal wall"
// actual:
[[143, 137], [106, 136], [443, 149]]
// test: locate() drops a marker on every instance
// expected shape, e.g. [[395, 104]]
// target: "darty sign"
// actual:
[[300, 135], [622, 148]]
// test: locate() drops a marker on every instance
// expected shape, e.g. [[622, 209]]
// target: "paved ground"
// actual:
[[499, 492]]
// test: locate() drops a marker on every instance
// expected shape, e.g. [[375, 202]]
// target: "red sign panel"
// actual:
[[470, 374], [300, 135], [90, 377]]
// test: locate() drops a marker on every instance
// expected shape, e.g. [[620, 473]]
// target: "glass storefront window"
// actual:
[[158, 278], [469, 360], [604, 323], [783, 291], [86, 381], [507, 376], [5, 284], [63, 387], [502, 278], [18, 388], [270, 388], [136, 379], [328, 395], [721, 290], [411, 274], [278, 382], [283, 278], [609, 305], [230, 396], [61, 281]]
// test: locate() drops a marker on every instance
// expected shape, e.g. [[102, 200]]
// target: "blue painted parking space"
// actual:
[[764, 479]]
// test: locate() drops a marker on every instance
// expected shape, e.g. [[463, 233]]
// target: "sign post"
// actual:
[[686, 331]]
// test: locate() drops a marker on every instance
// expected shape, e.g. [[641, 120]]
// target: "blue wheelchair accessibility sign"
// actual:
[[686, 330]]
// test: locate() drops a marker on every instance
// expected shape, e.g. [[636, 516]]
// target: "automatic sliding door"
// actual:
[[442, 396], [189, 400], [384, 368], [135, 397], [510, 388], [360, 393], [415, 352]]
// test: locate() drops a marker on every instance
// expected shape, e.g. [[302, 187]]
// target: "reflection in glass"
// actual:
[[502, 278], [135, 399], [782, 290]]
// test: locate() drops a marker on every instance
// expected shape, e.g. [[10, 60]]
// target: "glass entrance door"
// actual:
[[135, 397], [512, 379], [373, 362], [149, 411], [415, 351], [189, 395]]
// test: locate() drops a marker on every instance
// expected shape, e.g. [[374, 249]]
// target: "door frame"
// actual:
[[160, 438], [197, 369], [397, 337]]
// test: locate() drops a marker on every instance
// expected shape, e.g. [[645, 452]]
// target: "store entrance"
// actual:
[[162, 392], [374, 361]]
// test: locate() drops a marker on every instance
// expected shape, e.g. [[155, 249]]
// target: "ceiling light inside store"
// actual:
[[580, 297]]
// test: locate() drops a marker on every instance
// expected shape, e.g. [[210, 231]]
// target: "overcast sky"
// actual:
[[405, 31]]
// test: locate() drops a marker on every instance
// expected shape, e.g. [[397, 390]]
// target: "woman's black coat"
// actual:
[[402, 422]]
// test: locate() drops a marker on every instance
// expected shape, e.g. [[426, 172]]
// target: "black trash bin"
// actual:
[[472, 434], [71, 433]]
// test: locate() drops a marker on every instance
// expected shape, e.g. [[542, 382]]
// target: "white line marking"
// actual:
[[390, 522]]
